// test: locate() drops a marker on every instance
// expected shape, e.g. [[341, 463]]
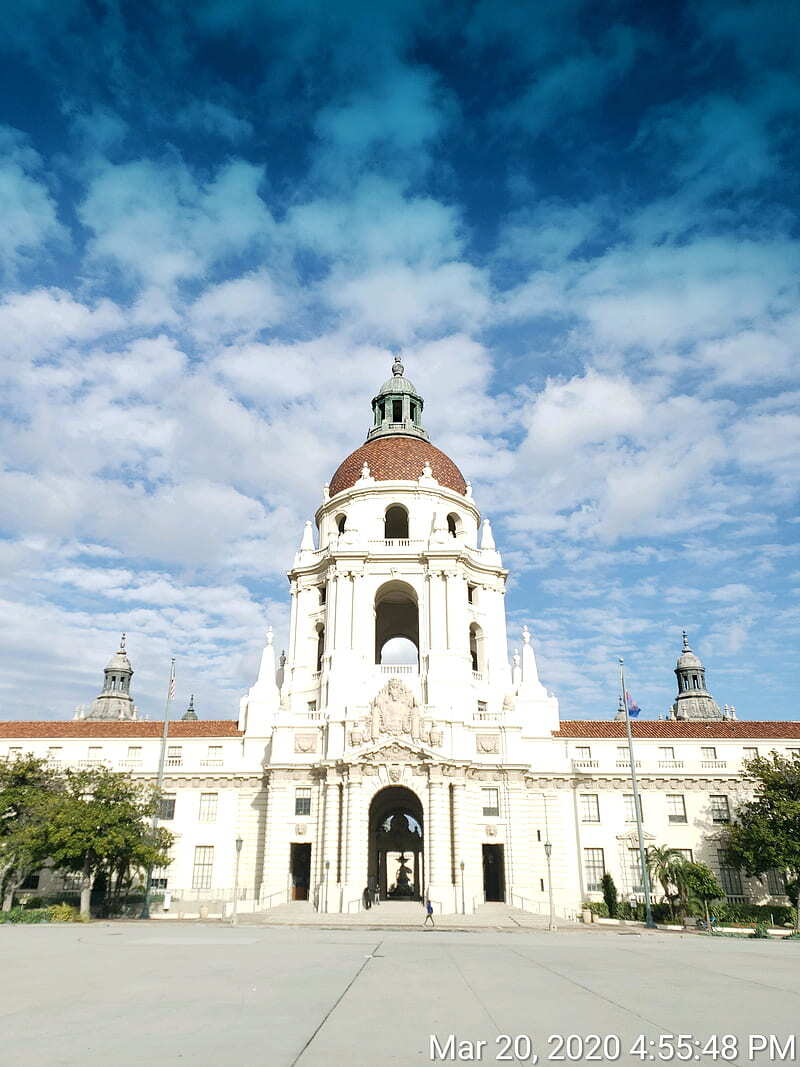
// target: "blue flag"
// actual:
[[633, 707]]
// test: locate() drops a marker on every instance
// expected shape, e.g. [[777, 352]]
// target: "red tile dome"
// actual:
[[397, 457]]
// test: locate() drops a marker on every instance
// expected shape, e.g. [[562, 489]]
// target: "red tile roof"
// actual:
[[733, 730], [110, 730], [397, 458]]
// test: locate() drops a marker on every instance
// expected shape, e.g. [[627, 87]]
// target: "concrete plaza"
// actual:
[[204, 994]]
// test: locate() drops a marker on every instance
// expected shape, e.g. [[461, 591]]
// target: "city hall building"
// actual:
[[396, 747]]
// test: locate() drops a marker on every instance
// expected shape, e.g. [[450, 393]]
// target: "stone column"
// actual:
[[356, 845], [438, 841], [330, 850], [457, 625], [276, 845]]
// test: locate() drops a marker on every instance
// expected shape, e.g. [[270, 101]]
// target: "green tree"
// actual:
[[701, 885], [665, 865], [101, 824], [765, 832], [609, 888], [28, 789]]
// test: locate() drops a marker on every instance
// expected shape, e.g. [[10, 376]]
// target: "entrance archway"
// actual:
[[396, 845]]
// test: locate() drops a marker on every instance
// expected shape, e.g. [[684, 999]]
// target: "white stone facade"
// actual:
[[459, 735]]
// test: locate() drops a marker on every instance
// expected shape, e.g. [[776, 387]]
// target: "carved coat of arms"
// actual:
[[395, 711]]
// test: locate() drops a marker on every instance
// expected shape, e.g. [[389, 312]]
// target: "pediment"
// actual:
[[394, 750], [633, 838]]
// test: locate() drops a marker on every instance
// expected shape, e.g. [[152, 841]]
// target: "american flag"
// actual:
[[171, 690]]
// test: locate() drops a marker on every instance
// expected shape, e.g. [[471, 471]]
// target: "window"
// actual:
[[708, 753], [730, 878], [312, 706], [630, 812], [749, 753], [397, 411], [158, 882], [323, 594], [583, 752], [215, 754], [793, 753], [590, 807], [341, 522], [666, 752], [776, 884], [134, 752], [623, 754], [720, 810], [595, 868], [685, 853], [208, 807], [470, 593], [174, 752], [451, 525], [14, 752], [54, 752], [203, 865], [166, 806], [676, 807], [395, 523], [302, 800], [491, 802], [482, 706], [320, 646], [635, 870], [95, 753], [31, 881]]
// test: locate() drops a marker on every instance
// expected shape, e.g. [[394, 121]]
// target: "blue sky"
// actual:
[[577, 222]]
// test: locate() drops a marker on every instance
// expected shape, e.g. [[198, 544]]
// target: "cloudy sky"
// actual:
[[577, 222]]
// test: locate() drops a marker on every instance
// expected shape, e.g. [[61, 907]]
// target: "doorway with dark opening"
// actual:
[[300, 870], [396, 856], [494, 873]]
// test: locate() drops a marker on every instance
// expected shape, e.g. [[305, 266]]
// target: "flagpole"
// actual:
[[159, 783], [637, 807]]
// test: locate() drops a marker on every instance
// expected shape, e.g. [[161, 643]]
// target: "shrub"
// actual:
[[33, 902], [25, 915], [63, 913], [597, 907], [609, 894], [761, 931], [792, 937]]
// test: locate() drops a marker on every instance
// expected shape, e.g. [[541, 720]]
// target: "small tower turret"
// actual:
[[693, 700], [114, 703], [190, 715], [397, 409]]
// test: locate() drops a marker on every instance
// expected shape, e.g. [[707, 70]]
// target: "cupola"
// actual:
[[397, 409]]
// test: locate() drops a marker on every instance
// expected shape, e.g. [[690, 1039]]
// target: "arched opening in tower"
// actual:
[[395, 522], [396, 625], [477, 647], [396, 843]]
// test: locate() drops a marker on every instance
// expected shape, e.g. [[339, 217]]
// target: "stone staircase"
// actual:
[[398, 914]]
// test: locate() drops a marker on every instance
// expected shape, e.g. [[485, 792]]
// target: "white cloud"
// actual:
[[28, 211], [236, 308]]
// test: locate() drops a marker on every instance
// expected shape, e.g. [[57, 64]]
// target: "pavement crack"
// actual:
[[336, 1004]]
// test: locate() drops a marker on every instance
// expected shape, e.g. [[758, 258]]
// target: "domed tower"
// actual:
[[693, 700], [114, 703], [397, 687]]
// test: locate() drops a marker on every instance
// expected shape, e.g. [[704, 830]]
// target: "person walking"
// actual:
[[366, 897], [428, 913]]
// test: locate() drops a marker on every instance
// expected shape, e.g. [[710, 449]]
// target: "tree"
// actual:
[[28, 788], [101, 825], [765, 832], [666, 864], [701, 885], [609, 894]]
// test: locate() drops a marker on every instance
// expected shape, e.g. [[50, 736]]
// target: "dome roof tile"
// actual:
[[398, 458]]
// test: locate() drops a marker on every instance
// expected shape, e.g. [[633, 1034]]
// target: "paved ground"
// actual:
[[159, 994]]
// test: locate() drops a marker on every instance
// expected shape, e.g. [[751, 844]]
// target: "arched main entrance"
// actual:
[[396, 868]]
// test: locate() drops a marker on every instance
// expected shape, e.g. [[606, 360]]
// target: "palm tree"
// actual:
[[664, 863]]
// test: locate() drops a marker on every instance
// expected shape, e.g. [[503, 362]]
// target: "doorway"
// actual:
[[396, 868], [494, 873], [300, 870]]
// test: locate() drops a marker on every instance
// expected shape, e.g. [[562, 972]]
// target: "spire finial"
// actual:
[[398, 370], [122, 643], [685, 642]]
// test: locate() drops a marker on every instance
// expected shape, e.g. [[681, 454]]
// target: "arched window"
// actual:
[[477, 649], [396, 625], [320, 645], [397, 411], [395, 522], [453, 524], [341, 522]]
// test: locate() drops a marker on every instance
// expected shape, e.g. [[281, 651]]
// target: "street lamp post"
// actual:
[[235, 915], [463, 904], [327, 881], [548, 852]]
